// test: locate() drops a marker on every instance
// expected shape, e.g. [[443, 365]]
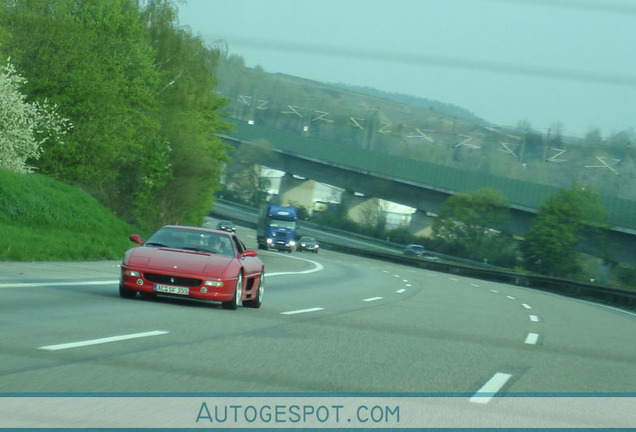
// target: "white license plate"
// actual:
[[172, 289]]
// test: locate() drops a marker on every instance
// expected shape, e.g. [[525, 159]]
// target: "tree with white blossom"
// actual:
[[24, 126]]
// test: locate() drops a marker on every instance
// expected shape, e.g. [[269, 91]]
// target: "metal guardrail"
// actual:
[[617, 297], [585, 291]]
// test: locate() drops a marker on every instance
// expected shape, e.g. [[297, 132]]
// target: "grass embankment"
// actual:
[[45, 220]]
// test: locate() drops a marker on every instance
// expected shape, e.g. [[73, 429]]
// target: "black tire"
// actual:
[[256, 303], [234, 303], [126, 293]]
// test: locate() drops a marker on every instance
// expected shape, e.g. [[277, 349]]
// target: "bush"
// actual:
[[626, 275], [45, 220]]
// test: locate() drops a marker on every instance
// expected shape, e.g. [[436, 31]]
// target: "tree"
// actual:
[[24, 126], [93, 61], [187, 110], [475, 225], [563, 221], [140, 93]]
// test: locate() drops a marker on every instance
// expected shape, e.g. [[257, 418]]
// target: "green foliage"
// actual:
[[626, 275], [402, 235], [551, 243], [45, 220], [140, 94], [475, 225], [188, 112]]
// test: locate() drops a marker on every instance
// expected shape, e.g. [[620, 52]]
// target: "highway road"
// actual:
[[329, 323]]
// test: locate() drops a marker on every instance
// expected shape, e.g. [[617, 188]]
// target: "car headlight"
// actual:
[[292, 243], [269, 241], [132, 273], [216, 284]]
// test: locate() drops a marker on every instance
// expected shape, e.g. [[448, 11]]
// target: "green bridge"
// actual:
[[520, 194]]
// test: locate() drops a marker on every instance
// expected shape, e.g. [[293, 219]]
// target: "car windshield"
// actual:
[[278, 223], [201, 241]]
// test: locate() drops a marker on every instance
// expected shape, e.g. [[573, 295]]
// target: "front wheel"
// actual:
[[258, 300], [126, 293], [234, 303]]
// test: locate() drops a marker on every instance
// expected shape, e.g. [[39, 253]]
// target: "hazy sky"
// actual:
[[543, 61]]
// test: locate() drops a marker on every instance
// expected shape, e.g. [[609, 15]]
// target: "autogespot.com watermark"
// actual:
[[317, 411], [304, 414]]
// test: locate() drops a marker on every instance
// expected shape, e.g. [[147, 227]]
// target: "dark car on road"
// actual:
[[308, 244], [420, 251], [414, 249], [226, 225]]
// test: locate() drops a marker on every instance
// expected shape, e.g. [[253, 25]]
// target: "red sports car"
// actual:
[[194, 262]]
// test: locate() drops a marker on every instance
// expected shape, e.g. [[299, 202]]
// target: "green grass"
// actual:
[[45, 220]]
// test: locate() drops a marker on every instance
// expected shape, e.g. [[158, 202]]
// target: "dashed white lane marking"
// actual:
[[400, 291], [527, 306], [489, 389], [534, 318], [101, 340], [299, 311], [370, 299], [494, 291], [531, 339], [510, 297], [475, 285]]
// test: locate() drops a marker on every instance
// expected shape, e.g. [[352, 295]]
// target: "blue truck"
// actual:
[[277, 226]]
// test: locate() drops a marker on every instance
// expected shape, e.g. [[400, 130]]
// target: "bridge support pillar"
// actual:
[[297, 192], [241, 179], [421, 224], [361, 209]]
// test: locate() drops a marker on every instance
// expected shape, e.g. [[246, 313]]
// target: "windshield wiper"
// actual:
[[198, 250], [155, 244]]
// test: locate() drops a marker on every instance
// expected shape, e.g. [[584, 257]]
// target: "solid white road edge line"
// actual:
[[493, 385], [299, 311], [317, 267], [53, 284], [101, 340]]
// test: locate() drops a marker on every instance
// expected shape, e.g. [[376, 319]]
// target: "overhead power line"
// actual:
[[439, 61]]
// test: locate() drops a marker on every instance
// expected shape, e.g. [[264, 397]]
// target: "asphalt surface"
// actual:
[[329, 323]]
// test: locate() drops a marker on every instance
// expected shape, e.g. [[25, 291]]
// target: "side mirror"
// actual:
[[135, 238], [248, 253]]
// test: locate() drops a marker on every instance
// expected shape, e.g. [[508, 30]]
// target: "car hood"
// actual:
[[175, 260]]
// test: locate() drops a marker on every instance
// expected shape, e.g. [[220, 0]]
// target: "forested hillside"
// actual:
[[420, 129], [138, 96]]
